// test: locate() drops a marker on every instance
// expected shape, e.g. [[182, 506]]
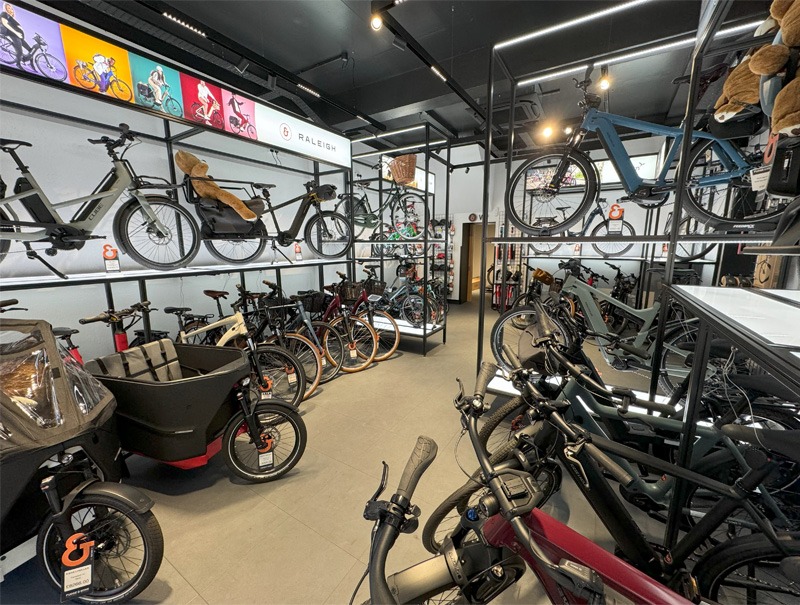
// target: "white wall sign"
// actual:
[[293, 134]]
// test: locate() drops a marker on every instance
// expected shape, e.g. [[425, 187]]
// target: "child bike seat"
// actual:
[[216, 294]]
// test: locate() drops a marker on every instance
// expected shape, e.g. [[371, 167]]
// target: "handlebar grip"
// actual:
[[8, 302], [632, 350], [512, 357], [424, 453], [91, 320], [269, 284], [485, 375], [620, 474], [342, 275]]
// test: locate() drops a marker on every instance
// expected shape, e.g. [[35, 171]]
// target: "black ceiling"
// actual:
[[394, 87]]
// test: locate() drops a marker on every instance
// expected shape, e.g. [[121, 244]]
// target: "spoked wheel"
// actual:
[[84, 77], [333, 348], [284, 434], [328, 234], [50, 67], [387, 330], [308, 355], [509, 327], [679, 345], [236, 251], [536, 207], [415, 312], [250, 131], [8, 54], [363, 219], [128, 547], [689, 251], [410, 216], [120, 89], [607, 249], [282, 374], [173, 107], [543, 248], [175, 247], [360, 343]]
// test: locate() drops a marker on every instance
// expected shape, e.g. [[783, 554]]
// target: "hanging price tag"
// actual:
[[292, 378], [265, 395], [576, 250], [759, 178], [664, 249], [111, 258], [615, 214], [266, 460], [353, 353], [77, 565]]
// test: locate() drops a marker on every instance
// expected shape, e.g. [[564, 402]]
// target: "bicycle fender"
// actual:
[[280, 403], [117, 228], [134, 498]]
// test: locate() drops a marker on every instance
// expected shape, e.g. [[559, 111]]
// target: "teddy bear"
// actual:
[[772, 59], [197, 168], [739, 90]]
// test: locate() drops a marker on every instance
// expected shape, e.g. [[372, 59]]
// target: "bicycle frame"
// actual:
[[604, 125], [235, 323]]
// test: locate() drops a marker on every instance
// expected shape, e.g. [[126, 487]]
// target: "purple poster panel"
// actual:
[[31, 43], [240, 115]]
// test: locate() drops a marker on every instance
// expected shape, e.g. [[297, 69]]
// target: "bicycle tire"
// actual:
[[132, 215], [695, 208], [5, 244], [333, 348], [509, 327], [361, 343], [121, 90], [83, 78], [236, 441], [681, 335], [216, 119], [282, 371], [755, 552], [686, 252], [407, 218], [236, 251], [49, 546], [515, 200], [339, 235], [387, 330], [250, 130], [53, 68], [413, 311], [8, 54], [173, 107], [505, 414], [354, 207], [308, 355], [544, 249], [601, 230]]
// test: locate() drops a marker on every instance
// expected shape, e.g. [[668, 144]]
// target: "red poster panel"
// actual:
[[240, 115], [202, 102], [97, 65]]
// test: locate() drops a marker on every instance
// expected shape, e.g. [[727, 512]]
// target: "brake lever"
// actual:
[[384, 479], [571, 451]]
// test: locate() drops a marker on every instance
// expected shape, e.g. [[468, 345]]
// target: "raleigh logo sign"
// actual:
[[300, 136]]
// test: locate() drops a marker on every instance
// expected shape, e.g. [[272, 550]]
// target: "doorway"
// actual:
[[470, 274]]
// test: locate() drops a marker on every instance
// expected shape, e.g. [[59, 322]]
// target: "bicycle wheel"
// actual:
[[333, 348], [50, 67], [356, 208], [361, 343], [121, 90], [83, 76], [196, 112], [410, 216], [414, 312], [328, 234], [500, 425], [388, 333], [543, 248], [679, 344], [607, 249], [281, 371], [173, 107], [216, 120], [129, 547], [209, 338], [140, 238], [5, 244], [728, 204], [250, 130], [688, 251], [236, 251], [308, 355], [748, 569], [8, 54], [284, 432], [508, 330], [535, 208]]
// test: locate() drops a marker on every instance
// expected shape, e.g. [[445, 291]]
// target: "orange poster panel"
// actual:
[[97, 65]]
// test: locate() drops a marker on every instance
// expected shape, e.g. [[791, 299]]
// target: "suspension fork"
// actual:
[[148, 210], [248, 409], [561, 169]]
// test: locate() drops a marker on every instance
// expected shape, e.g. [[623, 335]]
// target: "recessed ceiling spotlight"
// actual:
[[568, 130], [184, 24], [376, 22], [547, 132], [605, 84]]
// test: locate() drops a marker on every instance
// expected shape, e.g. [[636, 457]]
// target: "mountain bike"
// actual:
[[718, 191], [38, 58], [408, 211], [606, 227], [170, 104], [197, 113], [153, 230], [85, 76]]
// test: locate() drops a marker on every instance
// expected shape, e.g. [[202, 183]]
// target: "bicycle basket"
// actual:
[[375, 286], [543, 276], [350, 291], [556, 284], [402, 168], [314, 302]]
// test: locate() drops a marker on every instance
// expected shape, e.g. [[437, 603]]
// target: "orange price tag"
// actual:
[[616, 212], [109, 252], [72, 546]]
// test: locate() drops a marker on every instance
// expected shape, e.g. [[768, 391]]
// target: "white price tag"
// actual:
[[75, 579], [265, 459], [265, 395], [292, 378], [576, 250], [759, 177], [112, 266], [353, 353], [324, 361], [615, 226]]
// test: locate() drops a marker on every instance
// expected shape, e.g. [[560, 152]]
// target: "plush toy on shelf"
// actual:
[[198, 169], [739, 92]]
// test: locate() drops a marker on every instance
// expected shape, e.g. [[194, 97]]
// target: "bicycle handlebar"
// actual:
[[8, 302], [104, 316], [487, 372], [421, 458]]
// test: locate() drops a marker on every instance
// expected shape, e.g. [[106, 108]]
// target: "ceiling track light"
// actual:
[[310, 91], [174, 19], [435, 70], [554, 74], [399, 149], [389, 134]]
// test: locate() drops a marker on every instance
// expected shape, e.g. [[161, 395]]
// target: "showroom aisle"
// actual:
[[302, 539]]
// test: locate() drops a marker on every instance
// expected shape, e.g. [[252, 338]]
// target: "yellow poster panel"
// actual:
[[97, 65]]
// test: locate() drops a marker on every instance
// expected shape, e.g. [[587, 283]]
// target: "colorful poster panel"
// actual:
[[202, 102], [97, 65], [240, 115], [156, 86], [31, 43]]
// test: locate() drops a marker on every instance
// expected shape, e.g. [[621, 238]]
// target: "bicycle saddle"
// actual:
[[177, 310], [306, 292], [215, 294], [13, 144], [63, 332], [263, 186], [373, 267], [561, 208], [780, 441], [763, 385]]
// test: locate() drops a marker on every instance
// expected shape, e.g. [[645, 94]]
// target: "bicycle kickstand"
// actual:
[[33, 254], [276, 250]]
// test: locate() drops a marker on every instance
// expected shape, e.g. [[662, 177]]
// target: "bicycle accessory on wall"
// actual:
[[784, 178], [197, 169]]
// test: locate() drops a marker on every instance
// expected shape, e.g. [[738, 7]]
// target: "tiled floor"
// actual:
[[302, 539]]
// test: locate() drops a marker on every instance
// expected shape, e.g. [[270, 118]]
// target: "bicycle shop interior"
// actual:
[[253, 255]]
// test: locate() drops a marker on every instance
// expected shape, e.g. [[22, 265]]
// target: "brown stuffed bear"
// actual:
[[740, 89], [772, 59], [195, 167]]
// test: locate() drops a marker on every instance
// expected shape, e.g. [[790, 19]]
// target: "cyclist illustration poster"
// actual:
[[156, 86], [97, 65], [240, 115], [31, 43], [202, 102]]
